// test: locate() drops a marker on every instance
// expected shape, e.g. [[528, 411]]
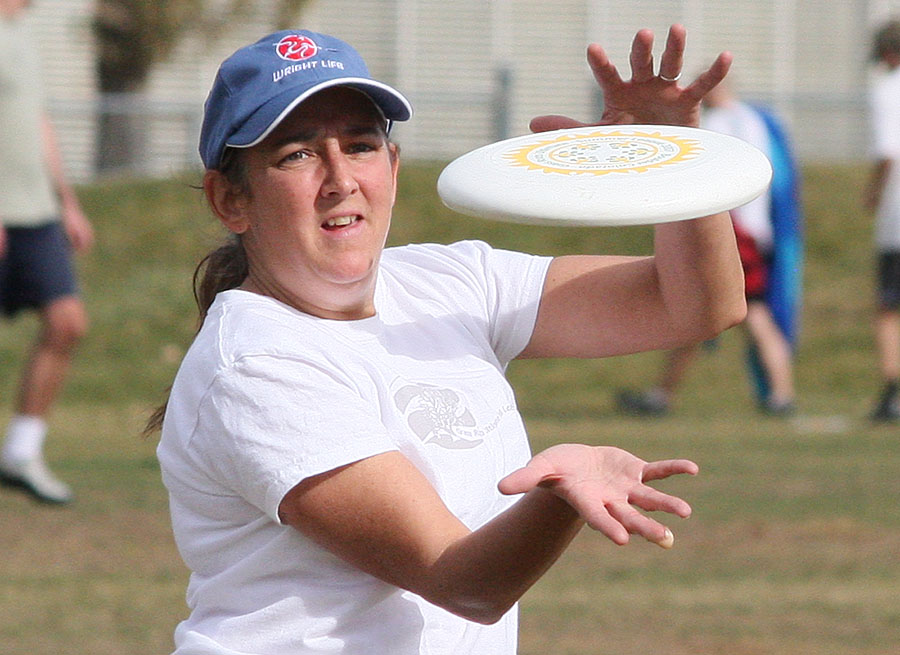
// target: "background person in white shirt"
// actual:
[[882, 195], [756, 225]]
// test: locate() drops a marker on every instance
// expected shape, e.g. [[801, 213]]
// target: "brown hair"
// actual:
[[887, 40]]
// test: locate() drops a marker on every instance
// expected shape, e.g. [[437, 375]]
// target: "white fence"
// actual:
[[478, 69]]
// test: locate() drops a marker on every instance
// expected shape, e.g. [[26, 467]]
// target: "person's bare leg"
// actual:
[[887, 345], [657, 400], [675, 368], [63, 324], [774, 351]]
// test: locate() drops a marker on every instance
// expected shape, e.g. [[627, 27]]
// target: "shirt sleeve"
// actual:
[[885, 121], [260, 445], [501, 288], [514, 284]]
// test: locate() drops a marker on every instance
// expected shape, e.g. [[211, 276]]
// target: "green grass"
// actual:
[[792, 547]]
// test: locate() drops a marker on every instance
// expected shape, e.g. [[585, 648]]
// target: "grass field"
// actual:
[[794, 546]]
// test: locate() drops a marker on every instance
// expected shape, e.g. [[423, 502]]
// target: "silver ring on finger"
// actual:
[[670, 79]]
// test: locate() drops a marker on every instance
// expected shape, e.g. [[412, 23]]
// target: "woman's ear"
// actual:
[[226, 201], [395, 167]]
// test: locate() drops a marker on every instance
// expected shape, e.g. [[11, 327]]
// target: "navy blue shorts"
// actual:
[[37, 268], [889, 279]]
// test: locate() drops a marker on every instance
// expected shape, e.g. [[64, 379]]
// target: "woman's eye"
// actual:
[[297, 155], [358, 148]]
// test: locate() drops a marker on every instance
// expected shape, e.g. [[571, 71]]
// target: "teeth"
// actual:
[[340, 221]]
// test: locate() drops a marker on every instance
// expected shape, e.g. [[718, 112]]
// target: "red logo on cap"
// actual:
[[296, 48]]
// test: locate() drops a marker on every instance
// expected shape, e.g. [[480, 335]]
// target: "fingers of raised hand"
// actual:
[[553, 122], [709, 78], [641, 57], [605, 72], [672, 60]]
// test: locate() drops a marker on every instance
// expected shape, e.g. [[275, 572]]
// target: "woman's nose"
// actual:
[[339, 179]]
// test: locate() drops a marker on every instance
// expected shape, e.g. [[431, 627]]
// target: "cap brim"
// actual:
[[393, 105]]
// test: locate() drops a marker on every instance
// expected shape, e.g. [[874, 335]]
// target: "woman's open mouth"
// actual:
[[340, 221]]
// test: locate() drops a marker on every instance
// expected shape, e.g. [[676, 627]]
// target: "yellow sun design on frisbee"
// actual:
[[604, 152]]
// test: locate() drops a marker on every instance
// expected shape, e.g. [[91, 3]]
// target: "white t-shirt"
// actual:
[[27, 198], [267, 396], [740, 120], [884, 107]]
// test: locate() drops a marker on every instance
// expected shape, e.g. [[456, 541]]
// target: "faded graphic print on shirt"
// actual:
[[440, 416]]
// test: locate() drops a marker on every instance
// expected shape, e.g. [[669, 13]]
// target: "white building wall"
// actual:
[[807, 58]]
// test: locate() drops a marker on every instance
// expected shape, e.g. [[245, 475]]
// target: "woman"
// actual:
[[346, 467]]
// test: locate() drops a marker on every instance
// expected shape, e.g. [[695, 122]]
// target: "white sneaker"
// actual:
[[34, 477]]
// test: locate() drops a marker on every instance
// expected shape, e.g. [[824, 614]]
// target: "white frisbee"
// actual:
[[606, 175]]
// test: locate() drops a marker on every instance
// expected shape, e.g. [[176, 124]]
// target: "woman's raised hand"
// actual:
[[653, 98]]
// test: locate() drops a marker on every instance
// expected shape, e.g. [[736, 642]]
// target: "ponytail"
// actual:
[[224, 268]]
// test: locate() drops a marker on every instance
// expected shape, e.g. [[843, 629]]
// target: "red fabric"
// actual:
[[756, 276]]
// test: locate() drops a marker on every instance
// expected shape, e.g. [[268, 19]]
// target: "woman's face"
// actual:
[[322, 188]]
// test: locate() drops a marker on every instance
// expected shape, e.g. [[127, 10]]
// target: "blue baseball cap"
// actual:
[[260, 84]]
